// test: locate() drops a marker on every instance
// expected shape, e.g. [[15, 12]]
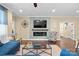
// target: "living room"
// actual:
[[41, 29]]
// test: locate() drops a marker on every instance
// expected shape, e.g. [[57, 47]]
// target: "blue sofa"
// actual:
[[66, 52], [9, 48]]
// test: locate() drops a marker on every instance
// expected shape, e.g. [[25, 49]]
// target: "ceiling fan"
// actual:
[[35, 5]]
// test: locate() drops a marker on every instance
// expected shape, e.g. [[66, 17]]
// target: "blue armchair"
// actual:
[[66, 52]]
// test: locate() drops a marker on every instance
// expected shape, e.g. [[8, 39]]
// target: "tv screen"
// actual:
[[40, 23]]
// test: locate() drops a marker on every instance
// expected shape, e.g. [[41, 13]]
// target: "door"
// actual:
[[67, 30]]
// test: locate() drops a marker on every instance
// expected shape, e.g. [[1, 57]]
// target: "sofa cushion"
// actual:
[[66, 52]]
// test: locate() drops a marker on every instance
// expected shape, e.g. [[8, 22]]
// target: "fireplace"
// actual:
[[39, 33], [39, 27]]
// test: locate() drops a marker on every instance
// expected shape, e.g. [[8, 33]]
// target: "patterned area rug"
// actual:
[[40, 52], [31, 54]]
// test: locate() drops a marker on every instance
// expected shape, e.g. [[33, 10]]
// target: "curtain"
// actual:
[[3, 23]]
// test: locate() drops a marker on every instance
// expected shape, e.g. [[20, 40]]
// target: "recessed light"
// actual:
[[77, 11], [53, 10], [20, 10]]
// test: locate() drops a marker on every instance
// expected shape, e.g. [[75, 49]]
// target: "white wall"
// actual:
[[20, 31]]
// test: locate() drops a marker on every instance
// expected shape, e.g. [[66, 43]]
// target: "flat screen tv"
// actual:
[[40, 23]]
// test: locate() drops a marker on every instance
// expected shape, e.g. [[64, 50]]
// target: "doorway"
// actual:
[[67, 30]]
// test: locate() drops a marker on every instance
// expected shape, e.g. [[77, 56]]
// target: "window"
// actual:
[[3, 22], [3, 15]]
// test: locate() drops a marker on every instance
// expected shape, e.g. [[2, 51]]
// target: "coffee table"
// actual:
[[31, 51]]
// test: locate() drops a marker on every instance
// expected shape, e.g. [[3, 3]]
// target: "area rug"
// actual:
[[39, 53]]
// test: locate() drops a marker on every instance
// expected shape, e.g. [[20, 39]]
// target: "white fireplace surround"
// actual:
[[39, 29]]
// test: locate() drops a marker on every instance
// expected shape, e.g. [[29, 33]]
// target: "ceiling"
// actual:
[[44, 9]]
